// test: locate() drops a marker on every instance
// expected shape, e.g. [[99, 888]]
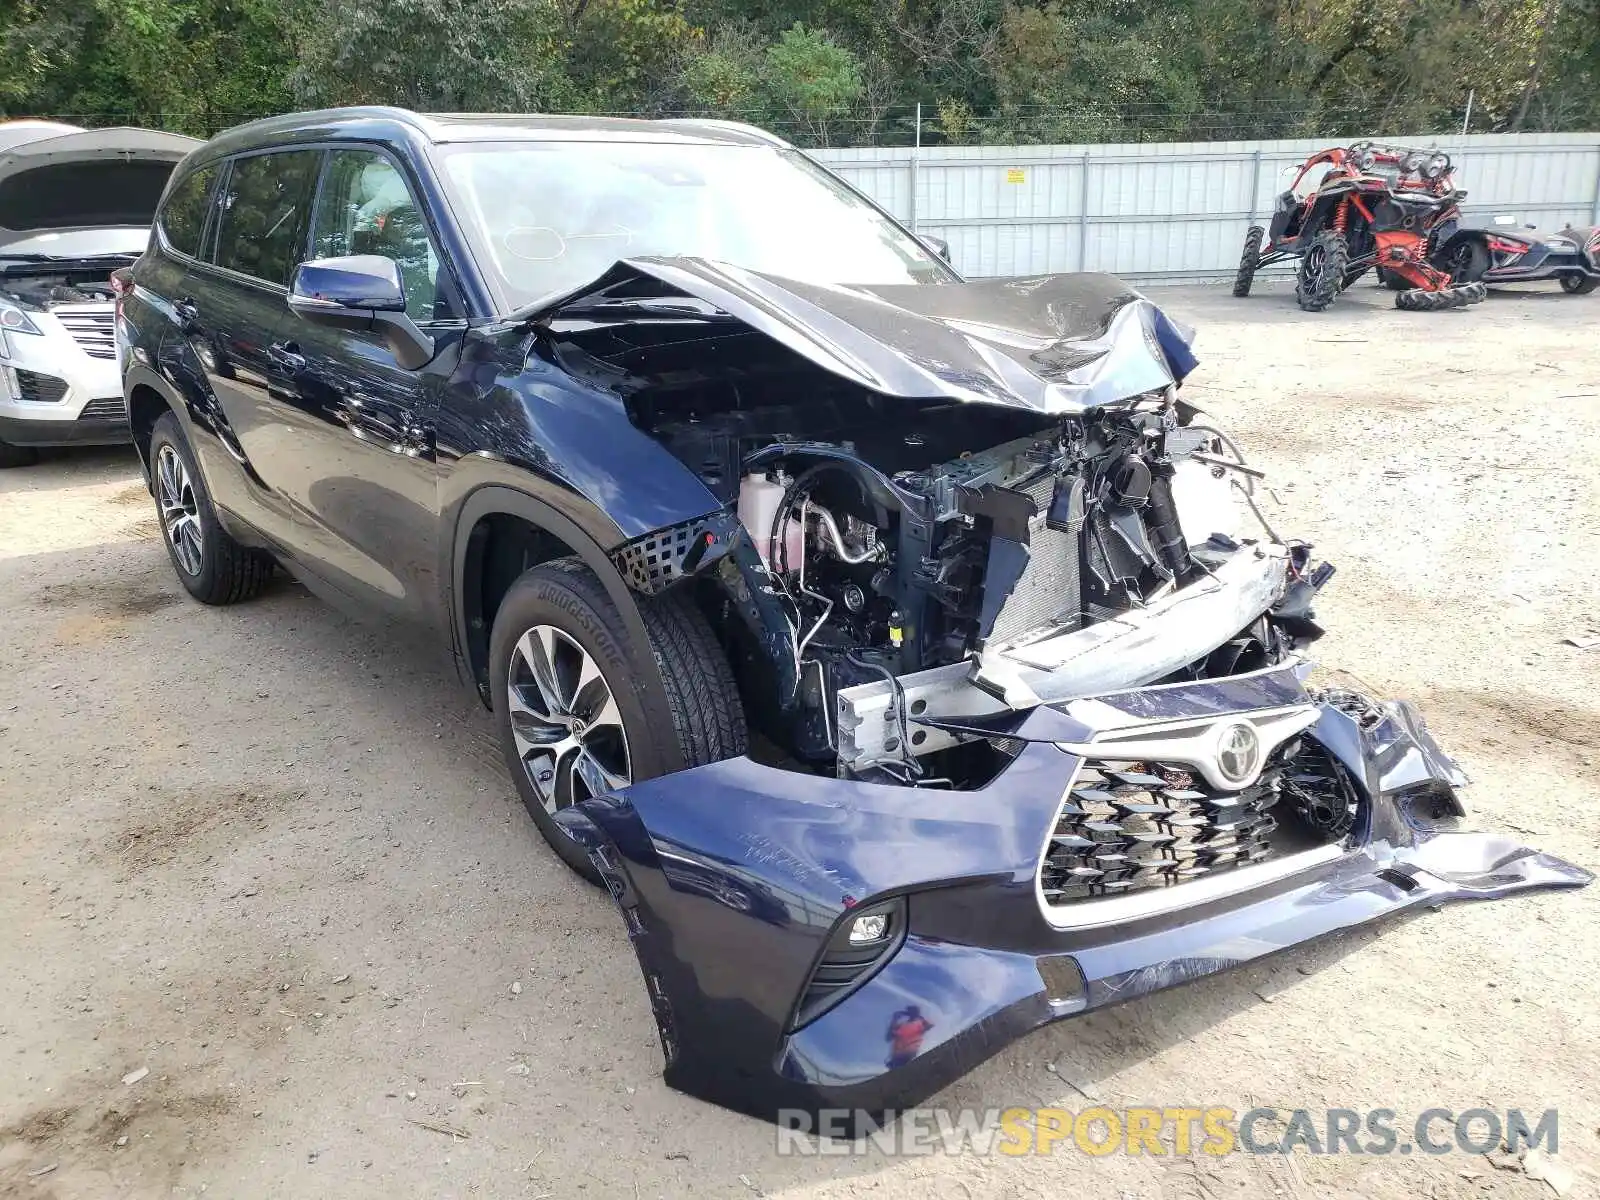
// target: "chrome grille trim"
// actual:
[[92, 326], [106, 408]]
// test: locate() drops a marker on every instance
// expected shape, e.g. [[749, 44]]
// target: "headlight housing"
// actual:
[[14, 320]]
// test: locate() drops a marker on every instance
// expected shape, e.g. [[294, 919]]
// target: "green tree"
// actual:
[[812, 79]]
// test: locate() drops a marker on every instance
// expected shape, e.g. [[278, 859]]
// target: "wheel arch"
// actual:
[[537, 532], [148, 398]]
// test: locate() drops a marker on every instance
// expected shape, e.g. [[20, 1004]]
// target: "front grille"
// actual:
[[1126, 827], [107, 408], [93, 328], [1049, 586], [40, 389]]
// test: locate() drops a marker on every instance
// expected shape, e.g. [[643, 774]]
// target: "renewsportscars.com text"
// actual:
[[1170, 1130]]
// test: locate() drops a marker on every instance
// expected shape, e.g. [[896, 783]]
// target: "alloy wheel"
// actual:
[[180, 514], [565, 720]]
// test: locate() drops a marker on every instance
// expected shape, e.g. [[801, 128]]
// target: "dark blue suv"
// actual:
[[900, 651]]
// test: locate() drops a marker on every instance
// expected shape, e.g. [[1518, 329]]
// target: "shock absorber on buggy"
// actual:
[[1341, 216]]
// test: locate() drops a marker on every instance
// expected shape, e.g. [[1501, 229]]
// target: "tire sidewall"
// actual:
[[585, 612], [168, 432]]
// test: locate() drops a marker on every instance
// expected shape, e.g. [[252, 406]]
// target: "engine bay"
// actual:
[[882, 542], [44, 286]]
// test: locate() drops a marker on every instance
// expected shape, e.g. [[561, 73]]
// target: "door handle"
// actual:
[[287, 355]]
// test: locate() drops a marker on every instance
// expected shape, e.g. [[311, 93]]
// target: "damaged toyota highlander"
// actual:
[[880, 639]]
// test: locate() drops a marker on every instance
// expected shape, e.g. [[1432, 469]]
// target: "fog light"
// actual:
[[873, 927]]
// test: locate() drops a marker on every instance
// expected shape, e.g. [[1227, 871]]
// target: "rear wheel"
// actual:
[[1578, 285], [1322, 271], [17, 456], [1249, 260], [1467, 261], [211, 565], [577, 720]]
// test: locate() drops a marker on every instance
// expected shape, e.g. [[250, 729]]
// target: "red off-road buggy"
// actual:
[[1362, 206]]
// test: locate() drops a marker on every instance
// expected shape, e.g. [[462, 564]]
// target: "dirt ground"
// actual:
[[271, 858]]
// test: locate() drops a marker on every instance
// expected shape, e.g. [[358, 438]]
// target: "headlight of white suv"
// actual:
[[14, 320]]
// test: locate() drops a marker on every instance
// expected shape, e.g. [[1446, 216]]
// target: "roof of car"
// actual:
[[385, 124]]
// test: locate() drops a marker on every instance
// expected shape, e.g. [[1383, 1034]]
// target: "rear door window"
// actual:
[[183, 220], [262, 214]]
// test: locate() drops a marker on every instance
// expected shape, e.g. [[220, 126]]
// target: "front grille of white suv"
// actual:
[[92, 327]]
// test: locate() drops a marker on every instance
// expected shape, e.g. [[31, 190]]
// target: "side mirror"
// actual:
[[937, 244], [363, 291]]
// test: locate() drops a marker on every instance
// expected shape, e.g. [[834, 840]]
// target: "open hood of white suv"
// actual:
[[92, 179]]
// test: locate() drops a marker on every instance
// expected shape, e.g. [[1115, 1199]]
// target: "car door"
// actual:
[[367, 490], [232, 306]]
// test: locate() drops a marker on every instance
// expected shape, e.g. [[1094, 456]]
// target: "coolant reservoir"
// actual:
[[759, 498]]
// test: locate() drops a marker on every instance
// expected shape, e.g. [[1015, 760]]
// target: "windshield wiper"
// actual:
[[645, 306]]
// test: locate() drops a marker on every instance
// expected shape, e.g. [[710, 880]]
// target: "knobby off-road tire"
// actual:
[[1579, 285], [1421, 300], [212, 567], [1322, 271], [1249, 260], [17, 456], [680, 710]]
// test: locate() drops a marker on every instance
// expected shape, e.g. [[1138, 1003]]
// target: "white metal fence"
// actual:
[[1174, 210]]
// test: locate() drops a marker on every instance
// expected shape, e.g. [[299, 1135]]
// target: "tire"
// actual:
[[211, 565], [683, 713], [1422, 300], [1249, 260], [1468, 262], [1393, 282], [1322, 270], [1578, 285], [17, 456]]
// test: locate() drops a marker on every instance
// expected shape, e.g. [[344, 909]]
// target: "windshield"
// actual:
[[551, 216]]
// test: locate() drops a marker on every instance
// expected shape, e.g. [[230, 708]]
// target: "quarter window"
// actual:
[[365, 207], [263, 211], [183, 220]]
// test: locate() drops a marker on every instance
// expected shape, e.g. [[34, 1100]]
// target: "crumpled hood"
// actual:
[[1049, 343]]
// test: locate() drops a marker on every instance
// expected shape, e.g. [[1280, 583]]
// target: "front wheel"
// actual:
[[1578, 285], [1322, 271], [578, 719], [1249, 260]]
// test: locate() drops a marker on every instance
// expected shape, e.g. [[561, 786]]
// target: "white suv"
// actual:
[[75, 206]]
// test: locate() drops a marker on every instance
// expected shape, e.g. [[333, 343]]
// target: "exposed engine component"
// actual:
[[47, 291], [882, 576]]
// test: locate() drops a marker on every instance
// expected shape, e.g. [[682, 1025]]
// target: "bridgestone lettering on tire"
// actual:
[[679, 709]]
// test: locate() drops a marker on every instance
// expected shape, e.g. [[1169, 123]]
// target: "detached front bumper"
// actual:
[[736, 880]]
